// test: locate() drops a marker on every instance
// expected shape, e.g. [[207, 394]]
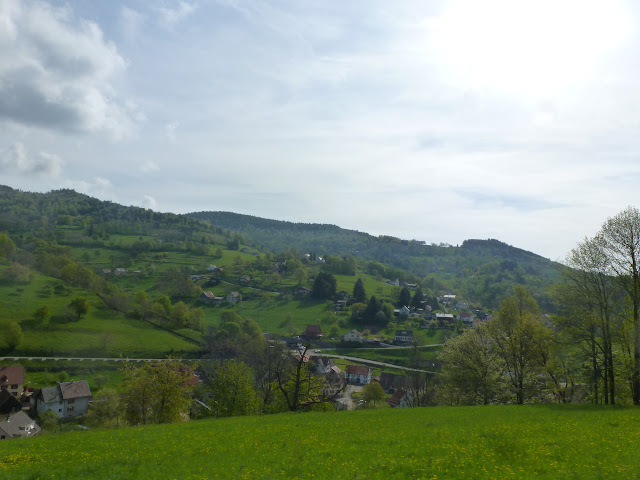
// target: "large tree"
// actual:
[[231, 390], [359, 294], [588, 317], [157, 392], [522, 341], [324, 286], [621, 242], [472, 370], [404, 299]]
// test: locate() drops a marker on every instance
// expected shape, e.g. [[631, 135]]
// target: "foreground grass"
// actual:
[[472, 442]]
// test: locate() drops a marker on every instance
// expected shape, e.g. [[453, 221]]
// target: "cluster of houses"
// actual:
[[19, 404], [396, 386]]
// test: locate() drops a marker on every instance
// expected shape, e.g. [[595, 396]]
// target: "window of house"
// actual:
[[71, 400], [69, 409]]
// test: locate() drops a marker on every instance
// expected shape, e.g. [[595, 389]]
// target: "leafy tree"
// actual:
[[7, 247], [300, 274], [324, 286], [472, 371], [522, 341], [106, 410], [589, 311], [13, 335], [373, 394], [232, 390], [17, 273], [359, 294], [157, 392], [42, 314], [405, 298], [620, 236], [80, 306]]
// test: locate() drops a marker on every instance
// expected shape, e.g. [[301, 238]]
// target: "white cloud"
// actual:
[[15, 159], [99, 187], [58, 72], [149, 202], [169, 16]]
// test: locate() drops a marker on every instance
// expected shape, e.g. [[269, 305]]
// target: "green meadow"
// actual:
[[492, 442]]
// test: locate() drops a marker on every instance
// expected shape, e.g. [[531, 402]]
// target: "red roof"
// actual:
[[13, 375], [357, 370]]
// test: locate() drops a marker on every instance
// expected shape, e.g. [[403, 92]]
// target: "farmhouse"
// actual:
[[403, 336], [400, 399], [12, 379], [233, 297], [209, 297], [67, 399], [353, 336], [358, 374]]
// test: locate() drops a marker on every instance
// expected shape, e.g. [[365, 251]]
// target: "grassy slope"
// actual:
[[444, 442], [101, 332]]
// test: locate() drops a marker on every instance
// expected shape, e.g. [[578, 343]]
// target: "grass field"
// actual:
[[494, 442]]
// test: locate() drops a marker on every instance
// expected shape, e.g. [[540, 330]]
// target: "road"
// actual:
[[368, 362], [100, 359], [120, 359]]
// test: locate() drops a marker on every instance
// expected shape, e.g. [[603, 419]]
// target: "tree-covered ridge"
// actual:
[[27, 211]]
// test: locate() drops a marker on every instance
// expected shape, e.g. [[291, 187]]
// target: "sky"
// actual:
[[437, 121]]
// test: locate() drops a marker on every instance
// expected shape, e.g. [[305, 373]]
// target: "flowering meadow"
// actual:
[[541, 441]]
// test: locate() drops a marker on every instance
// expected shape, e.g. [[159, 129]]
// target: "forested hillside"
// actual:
[[482, 270]]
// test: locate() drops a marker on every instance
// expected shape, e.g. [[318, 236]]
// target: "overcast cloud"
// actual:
[[438, 121]]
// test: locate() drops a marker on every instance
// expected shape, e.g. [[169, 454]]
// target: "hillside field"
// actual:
[[492, 442]]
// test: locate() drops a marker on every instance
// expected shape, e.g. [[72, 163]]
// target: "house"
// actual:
[[121, 271], [466, 317], [244, 279], [403, 336], [444, 319], [233, 297], [340, 304], [313, 331], [343, 295], [353, 336], [18, 425], [12, 379], [9, 403], [213, 268], [106, 271], [323, 365], [462, 306], [358, 374], [303, 291], [209, 297], [67, 399], [400, 399], [404, 311], [447, 299]]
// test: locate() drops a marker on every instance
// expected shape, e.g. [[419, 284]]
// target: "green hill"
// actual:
[[482, 271], [525, 442]]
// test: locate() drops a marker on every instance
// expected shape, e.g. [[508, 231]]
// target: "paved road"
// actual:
[[368, 362], [102, 359]]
